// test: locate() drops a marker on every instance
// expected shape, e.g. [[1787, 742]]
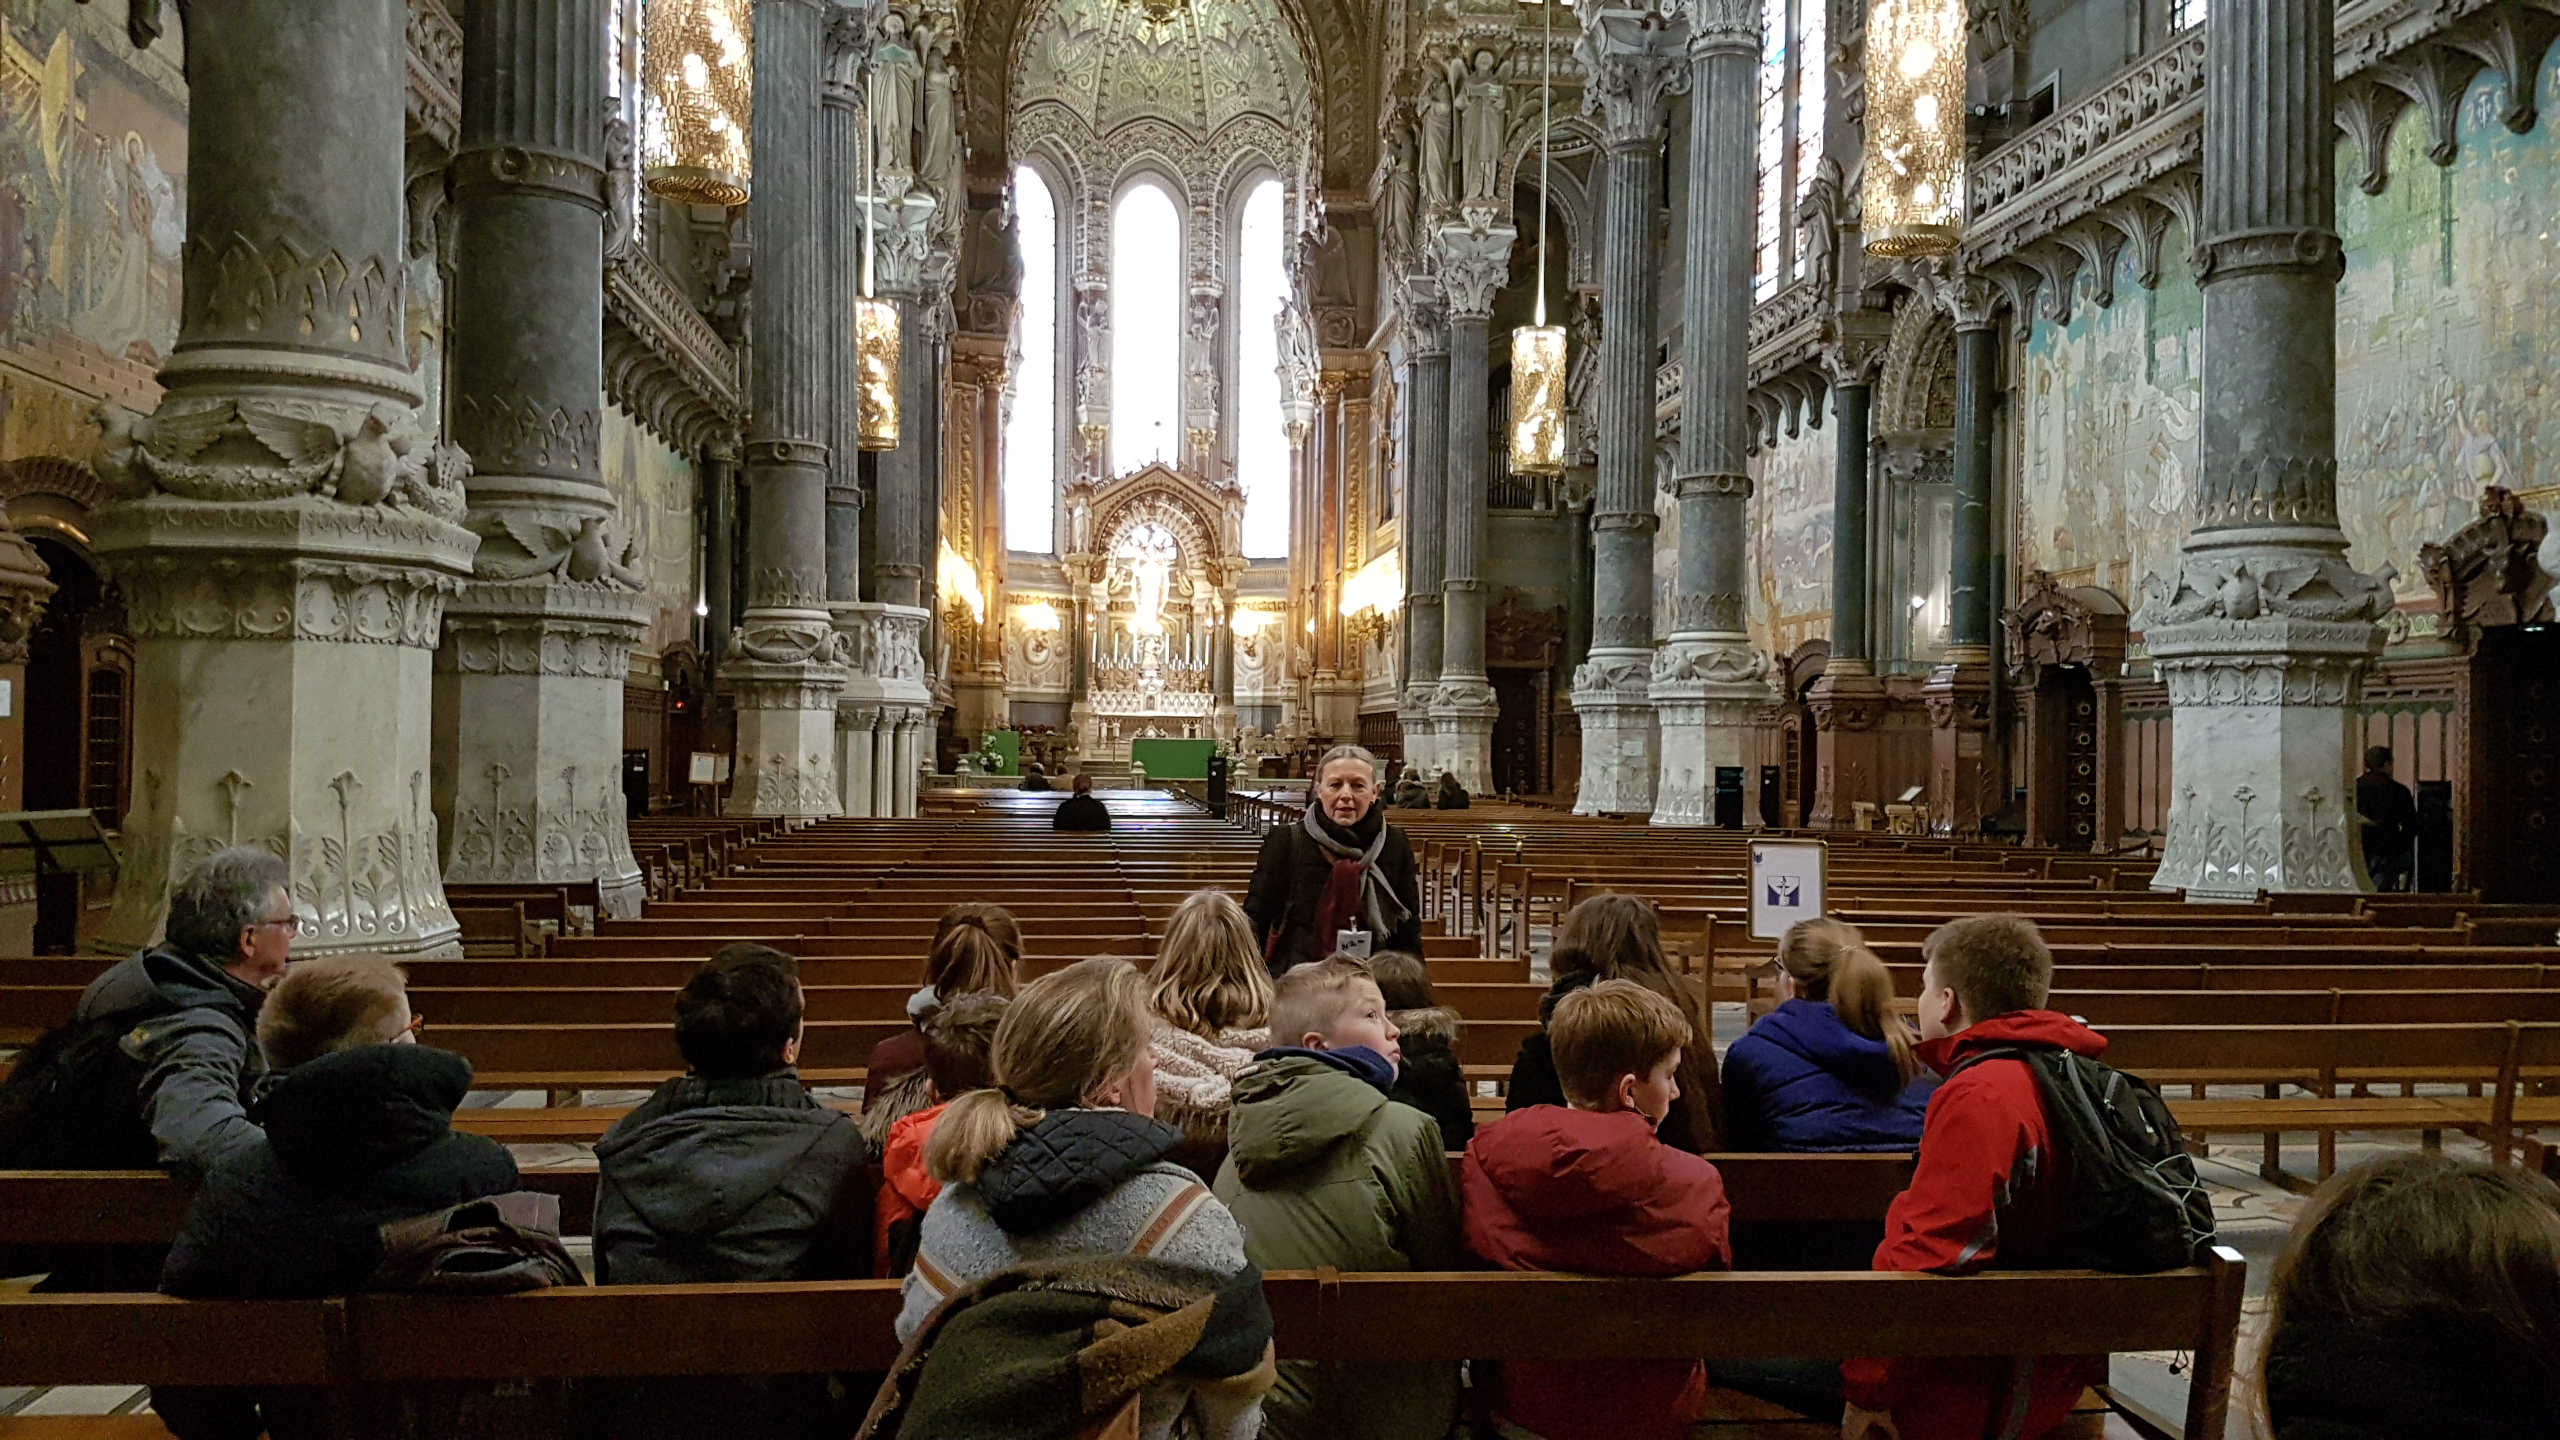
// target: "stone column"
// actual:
[[1634, 63], [1959, 690], [1707, 682], [1426, 504], [1475, 258], [2265, 635], [840, 284], [286, 568], [1848, 702], [719, 469], [529, 678], [786, 664]]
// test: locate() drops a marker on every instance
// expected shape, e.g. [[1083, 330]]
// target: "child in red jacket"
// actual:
[[1988, 1190], [1588, 1188], [959, 1037]]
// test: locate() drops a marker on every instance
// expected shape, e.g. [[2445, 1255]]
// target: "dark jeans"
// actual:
[[1810, 1388]]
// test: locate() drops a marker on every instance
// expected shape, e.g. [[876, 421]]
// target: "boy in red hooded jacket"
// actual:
[[1987, 1192], [1588, 1188]]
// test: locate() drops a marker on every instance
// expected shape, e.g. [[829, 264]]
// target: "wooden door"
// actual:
[[2517, 803]]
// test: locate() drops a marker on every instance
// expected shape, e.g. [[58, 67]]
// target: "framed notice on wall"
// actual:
[[1786, 884]]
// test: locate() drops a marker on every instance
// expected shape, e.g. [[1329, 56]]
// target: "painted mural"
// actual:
[[655, 488], [2448, 379], [1791, 540], [2109, 431], [92, 219]]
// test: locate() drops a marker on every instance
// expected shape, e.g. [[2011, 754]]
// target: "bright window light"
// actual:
[[1031, 431], [1146, 330], [1262, 440]]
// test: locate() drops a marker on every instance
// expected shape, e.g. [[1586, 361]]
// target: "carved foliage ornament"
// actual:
[[2054, 624], [2490, 573], [1634, 62], [2296, 586], [215, 448]]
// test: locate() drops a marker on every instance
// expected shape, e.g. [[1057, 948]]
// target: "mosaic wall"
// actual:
[[1791, 540], [655, 488], [2446, 376], [93, 161]]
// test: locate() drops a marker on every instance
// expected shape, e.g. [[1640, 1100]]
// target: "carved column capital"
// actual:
[[1724, 27], [902, 246], [1475, 259], [1634, 62]]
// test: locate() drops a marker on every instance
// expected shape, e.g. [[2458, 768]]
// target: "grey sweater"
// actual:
[[1078, 1182]]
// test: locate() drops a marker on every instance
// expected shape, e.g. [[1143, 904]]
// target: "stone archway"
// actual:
[[1154, 560]]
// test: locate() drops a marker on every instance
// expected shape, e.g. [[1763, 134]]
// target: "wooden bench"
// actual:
[[847, 1326]]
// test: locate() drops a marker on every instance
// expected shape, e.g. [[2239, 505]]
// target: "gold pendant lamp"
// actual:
[[1537, 349], [1912, 194], [699, 100], [875, 326]]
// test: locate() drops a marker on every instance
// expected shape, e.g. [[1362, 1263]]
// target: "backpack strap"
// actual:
[[1176, 1211]]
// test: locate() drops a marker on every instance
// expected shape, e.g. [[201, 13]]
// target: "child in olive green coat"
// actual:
[[1323, 1169]]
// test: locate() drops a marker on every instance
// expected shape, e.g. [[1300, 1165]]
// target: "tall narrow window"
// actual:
[[1146, 329], [1262, 438], [1793, 108], [2186, 14], [1031, 430]]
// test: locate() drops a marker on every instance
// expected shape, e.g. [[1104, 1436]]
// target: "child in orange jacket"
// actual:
[[958, 1037]]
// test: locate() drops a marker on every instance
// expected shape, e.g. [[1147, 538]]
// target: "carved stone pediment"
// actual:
[[2056, 624], [2490, 574], [1205, 518]]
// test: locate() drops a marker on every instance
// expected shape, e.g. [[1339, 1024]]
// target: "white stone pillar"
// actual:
[[854, 724]]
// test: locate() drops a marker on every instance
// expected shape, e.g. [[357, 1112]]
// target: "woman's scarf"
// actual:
[[1357, 889]]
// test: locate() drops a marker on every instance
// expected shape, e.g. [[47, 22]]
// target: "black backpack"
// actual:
[[2136, 1204], [74, 1101]]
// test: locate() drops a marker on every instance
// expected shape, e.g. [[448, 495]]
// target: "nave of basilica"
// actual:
[[437, 434]]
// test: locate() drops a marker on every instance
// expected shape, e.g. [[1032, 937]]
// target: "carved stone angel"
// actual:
[[1434, 110], [1484, 108]]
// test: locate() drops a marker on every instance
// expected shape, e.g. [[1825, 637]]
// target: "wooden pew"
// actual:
[[1320, 1315]]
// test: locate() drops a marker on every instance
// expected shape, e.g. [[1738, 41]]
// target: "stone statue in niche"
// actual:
[[896, 77], [1484, 110], [2490, 573], [939, 166], [1395, 191], [621, 185], [1435, 118]]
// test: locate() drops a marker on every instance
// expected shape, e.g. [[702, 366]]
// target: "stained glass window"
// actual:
[[1794, 104]]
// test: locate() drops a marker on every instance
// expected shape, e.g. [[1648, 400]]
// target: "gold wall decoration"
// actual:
[[1537, 400], [698, 100], [875, 347], [1913, 191]]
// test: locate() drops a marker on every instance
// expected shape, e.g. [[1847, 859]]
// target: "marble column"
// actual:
[[2266, 633], [1634, 64], [286, 565], [719, 469], [1426, 469], [787, 665], [1958, 692], [840, 284], [530, 676], [1848, 701], [1707, 682], [1475, 258]]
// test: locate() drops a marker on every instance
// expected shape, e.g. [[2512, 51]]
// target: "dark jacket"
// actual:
[[1596, 1194], [1803, 1080], [350, 1141], [1696, 1118], [1289, 879], [1082, 813], [1430, 1078], [195, 1031], [2390, 816], [1035, 782], [729, 1180], [2419, 1377], [1987, 1194]]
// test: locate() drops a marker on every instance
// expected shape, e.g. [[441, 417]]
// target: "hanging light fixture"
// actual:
[[698, 100], [1913, 191], [1537, 349], [875, 328]]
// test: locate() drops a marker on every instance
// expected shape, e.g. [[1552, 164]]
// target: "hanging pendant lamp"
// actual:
[[698, 100], [1912, 193], [1537, 349], [875, 330]]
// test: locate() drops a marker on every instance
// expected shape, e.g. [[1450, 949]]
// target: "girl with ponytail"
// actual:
[[1832, 1067], [977, 950], [1063, 1158]]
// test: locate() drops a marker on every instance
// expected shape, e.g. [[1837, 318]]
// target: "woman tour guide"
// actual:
[[1340, 879]]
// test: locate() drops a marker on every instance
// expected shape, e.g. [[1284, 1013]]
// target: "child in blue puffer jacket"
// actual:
[[1831, 1068]]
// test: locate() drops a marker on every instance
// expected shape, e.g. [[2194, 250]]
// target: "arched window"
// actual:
[[1031, 429], [1262, 439], [1792, 110], [1146, 329]]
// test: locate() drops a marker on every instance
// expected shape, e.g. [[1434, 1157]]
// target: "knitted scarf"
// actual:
[[1357, 890]]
